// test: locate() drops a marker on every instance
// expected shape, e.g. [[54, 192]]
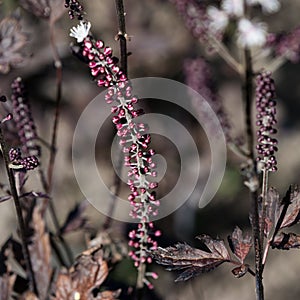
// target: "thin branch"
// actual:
[[248, 95], [47, 182], [22, 226]]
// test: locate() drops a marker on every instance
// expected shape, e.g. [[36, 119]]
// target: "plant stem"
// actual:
[[123, 62], [22, 227], [248, 95], [263, 204], [47, 184]]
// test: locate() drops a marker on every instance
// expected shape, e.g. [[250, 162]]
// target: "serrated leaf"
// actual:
[[292, 214], [286, 241], [240, 245], [192, 260]]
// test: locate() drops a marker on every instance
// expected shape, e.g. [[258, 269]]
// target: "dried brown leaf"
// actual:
[[88, 272], [240, 245], [12, 41], [40, 8], [40, 252], [286, 241], [192, 260]]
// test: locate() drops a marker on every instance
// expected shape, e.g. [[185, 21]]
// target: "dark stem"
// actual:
[[123, 54], [248, 96], [22, 227], [122, 36]]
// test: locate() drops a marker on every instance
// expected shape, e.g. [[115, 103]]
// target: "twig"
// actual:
[[248, 94], [22, 227]]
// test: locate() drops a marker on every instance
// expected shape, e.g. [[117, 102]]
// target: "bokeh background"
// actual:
[[159, 46]]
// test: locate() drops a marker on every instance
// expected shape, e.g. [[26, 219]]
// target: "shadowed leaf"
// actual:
[[239, 245], [286, 241], [192, 260], [76, 220], [7, 277]]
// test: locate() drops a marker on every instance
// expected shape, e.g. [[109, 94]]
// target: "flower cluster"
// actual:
[[266, 119], [199, 77], [75, 9], [211, 22], [134, 141], [287, 44], [22, 163], [194, 14], [23, 119]]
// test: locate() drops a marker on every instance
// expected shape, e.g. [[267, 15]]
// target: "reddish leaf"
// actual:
[[292, 214], [272, 210], [193, 261], [40, 253], [286, 241], [239, 245], [88, 272]]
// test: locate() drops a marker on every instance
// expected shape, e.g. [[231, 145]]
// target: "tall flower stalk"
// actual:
[[134, 141]]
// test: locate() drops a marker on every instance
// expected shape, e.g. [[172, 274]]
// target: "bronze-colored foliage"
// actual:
[[192, 260], [240, 245], [292, 214], [87, 273], [12, 41]]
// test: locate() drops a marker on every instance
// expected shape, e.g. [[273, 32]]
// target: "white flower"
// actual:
[[251, 34], [233, 7], [218, 19], [268, 6], [81, 31]]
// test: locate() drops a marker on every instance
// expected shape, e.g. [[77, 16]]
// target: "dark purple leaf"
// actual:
[[192, 260], [76, 220], [292, 214], [4, 198], [286, 241], [239, 245]]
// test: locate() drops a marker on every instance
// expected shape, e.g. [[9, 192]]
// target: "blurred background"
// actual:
[[159, 46]]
